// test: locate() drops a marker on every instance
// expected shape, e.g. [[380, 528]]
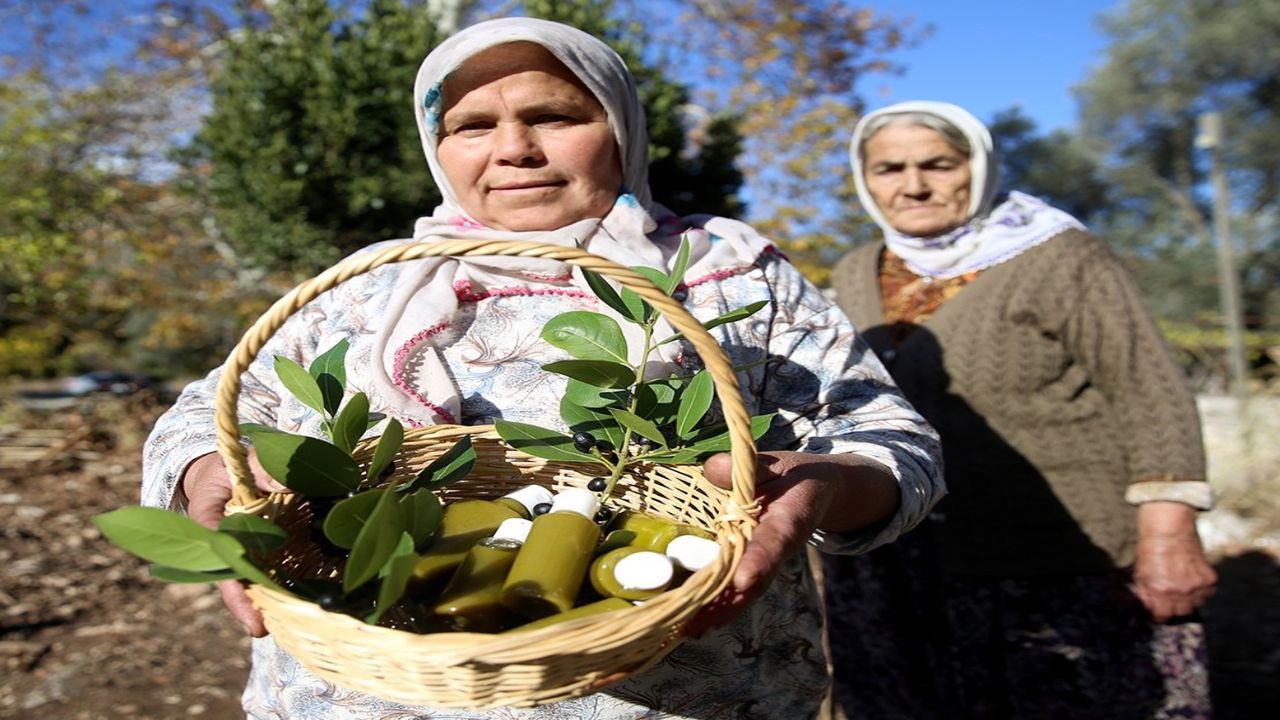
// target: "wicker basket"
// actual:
[[515, 669]]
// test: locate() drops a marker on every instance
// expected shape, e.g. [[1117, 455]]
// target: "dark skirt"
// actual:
[[908, 642]]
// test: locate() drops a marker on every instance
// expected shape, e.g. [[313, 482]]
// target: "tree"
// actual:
[[310, 145], [1058, 167], [1168, 61]]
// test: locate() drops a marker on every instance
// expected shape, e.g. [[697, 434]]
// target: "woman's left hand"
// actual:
[[1171, 575], [798, 493]]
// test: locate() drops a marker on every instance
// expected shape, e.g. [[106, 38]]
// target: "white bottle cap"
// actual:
[[578, 500], [692, 552], [644, 570], [515, 529], [530, 496]]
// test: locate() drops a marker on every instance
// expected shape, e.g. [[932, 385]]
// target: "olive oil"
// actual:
[[551, 566]]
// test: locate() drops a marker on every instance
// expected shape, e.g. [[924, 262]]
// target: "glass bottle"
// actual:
[[550, 567], [463, 524], [470, 601], [631, 573]]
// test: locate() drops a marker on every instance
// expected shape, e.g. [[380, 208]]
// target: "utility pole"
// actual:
[[1210, 138]]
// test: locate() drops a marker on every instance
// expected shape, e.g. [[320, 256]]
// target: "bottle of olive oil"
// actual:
[[470, 601], [550, 567], [631, 573], [463, 524]]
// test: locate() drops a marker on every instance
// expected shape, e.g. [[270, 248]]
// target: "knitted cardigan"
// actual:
[[1052, 390]]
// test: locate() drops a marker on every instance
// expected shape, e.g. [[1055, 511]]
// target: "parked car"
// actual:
[[106, 381]]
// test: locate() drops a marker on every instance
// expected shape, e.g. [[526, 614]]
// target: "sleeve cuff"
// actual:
[[1196, 493]]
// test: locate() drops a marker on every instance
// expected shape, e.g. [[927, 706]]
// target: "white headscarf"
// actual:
[[411, 379], [988, 236]]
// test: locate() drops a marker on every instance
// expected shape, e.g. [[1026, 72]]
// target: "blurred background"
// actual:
[[169, 168]]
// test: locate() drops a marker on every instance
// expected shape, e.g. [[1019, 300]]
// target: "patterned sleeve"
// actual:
[[832, 395]]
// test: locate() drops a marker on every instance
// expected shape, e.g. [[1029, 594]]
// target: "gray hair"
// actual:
[[952, 134]]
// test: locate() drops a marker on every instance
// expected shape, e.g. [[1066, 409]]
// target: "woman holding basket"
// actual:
[[533, 130]]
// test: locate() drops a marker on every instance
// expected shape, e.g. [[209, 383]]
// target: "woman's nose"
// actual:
[[516, 144], [913, 183]]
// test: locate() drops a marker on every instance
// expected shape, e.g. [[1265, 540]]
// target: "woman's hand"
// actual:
[[1171, 575], [798, 493], [207, 486]]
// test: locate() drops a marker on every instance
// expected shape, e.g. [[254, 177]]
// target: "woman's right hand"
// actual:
[[207, 485]]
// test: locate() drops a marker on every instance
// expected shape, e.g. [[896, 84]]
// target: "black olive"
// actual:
[[390, 468], [680, 295], [583, 441], [330, 601], [597, 484], [542, 508], [603, 515]]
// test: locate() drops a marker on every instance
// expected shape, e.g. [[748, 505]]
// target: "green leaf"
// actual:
[[615, 540], [452, 466], [587, 336], [395, 576], [590, 396], [719, 442], [329, 370], [603, 290], [304, 464], [637, 424], [374, 419], [388, 445], [422, 514], [540, 442], [636, 306], [678, 268], [161, 536], [347, 517], [352, 422], [300, 383], [745, 311], [232, 553], [594, 372], [376, 542], [659, 400], [657, 277], [175, 575], [599, 423], [694, 403], [256, 534]]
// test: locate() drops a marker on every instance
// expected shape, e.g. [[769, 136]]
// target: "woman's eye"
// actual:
[[470, 128], [553, 119]]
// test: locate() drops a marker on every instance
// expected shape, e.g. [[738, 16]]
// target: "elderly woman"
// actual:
[[1042, 585], [533, 130]]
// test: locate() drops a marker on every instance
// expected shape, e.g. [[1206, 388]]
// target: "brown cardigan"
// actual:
[[1052, 389]]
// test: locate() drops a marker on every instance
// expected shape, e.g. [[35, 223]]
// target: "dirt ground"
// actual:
[[86, 634]]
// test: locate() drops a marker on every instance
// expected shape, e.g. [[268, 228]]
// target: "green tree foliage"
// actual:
[[311, 146], [1169, 61], [1058, 167]]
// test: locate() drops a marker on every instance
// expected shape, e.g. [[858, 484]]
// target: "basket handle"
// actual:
[[235, 456]]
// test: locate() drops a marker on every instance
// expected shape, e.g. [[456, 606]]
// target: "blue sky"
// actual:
[[988, 55]]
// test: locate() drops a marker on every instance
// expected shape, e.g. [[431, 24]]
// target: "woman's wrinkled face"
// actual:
[[524, 143], [917, 179]]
